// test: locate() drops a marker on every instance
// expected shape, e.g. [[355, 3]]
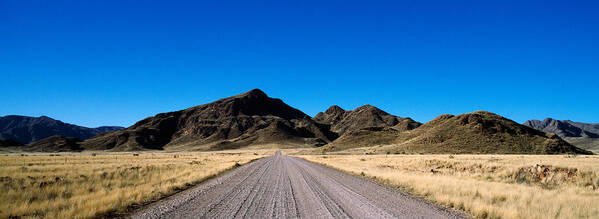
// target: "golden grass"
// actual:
[[488, 186], [84, 186]]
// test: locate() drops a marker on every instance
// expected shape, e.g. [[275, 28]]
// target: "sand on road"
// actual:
[[287, 187]]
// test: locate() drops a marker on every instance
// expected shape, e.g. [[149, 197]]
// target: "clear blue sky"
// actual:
[[98, 63]]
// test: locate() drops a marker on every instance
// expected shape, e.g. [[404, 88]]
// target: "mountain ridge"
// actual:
[[255, 119], [26, 129], [583, 135], [476, 132], [246, 119], [366, 116]]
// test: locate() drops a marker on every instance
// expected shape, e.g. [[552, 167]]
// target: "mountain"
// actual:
[[27, 129], [366, 116], [477, 132], [589, 127], [364, 126], [251, 118], [55, 143], [565, 128], [583, 135]]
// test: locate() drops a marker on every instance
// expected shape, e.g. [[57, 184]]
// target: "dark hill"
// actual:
[[55, 144], [27, 129], [364, 126], [250, 118], [363, 117]]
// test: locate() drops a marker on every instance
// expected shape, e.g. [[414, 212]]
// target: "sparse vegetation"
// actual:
[[84, 186], [478, 132], [488, 186]]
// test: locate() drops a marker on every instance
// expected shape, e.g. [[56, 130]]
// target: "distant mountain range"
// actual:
[[255, 120], [25, 129], [583, 135]]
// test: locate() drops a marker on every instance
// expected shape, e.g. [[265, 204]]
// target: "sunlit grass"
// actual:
[[488, 186], [83, 186]]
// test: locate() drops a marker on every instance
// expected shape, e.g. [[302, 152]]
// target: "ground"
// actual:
[[288, 187], [74, 185], [67, 185], [488, 186]]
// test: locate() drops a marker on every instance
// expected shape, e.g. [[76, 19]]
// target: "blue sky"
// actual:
[[98, 63]]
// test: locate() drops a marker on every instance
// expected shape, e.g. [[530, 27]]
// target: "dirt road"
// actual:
[[286, 187]]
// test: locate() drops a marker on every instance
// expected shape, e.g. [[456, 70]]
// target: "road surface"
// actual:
[[287, 187]]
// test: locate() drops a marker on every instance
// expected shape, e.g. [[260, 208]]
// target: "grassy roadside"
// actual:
[[488, 186], [89, 185]]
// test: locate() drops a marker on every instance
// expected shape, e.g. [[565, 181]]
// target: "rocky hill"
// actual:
[[364, 126], [250, 118], [363, 117], [565, 128], [253, 119], [583, 135], [27, 129], [477, 132], [481, 132]]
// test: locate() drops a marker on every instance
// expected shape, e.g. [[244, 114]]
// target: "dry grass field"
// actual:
[[488, 186], [89, 185]]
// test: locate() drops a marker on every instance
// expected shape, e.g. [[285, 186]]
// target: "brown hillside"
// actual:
[[479, 132], [363, 117], [364, 126], [246, 119], [374, 136]]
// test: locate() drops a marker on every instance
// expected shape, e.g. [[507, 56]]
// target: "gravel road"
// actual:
[[287, 187]]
